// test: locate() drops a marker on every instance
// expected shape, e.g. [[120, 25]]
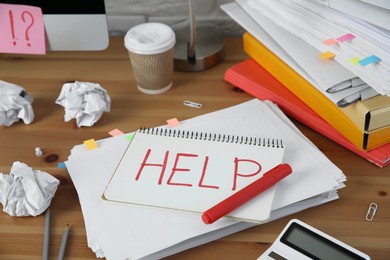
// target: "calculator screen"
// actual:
[[314, 245]]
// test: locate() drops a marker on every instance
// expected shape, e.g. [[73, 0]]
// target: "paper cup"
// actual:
[[150, 47]]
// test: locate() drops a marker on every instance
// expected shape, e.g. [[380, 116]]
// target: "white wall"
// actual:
[[123, 14]]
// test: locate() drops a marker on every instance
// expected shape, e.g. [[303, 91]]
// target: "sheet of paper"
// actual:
[[121, 231]]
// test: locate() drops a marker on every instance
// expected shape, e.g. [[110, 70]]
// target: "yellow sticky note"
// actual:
[[90, 144], [173, 122], [354, 61], [327, 55]]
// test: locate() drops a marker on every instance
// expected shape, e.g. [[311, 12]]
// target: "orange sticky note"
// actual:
[[116, 132], [173, 122], [330, 41], [327, 55], [90, 144], [22, 29]]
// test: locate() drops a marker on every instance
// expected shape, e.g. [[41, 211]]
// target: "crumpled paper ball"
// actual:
[[84, 101], [15, 104], [26, 192]]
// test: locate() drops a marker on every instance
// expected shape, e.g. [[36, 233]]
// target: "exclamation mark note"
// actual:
[[22, 29]]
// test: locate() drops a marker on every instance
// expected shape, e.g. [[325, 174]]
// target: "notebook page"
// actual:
[[193, 171]]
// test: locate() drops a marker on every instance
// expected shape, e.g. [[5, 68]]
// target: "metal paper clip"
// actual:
[[192, 104], [371, 211]]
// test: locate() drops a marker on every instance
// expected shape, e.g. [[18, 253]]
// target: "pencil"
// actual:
[[64, 241], [46, 236]]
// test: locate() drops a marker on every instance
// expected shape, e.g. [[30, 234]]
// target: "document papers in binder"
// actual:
[[355, 46], [326, 76], [119, 231]]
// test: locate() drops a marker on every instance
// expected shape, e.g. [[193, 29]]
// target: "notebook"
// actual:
[[193, 171]]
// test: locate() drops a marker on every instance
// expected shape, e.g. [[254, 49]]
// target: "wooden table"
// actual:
[[43, 77]]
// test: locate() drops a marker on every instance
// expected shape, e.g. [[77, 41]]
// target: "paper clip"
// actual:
[[371, 211], [192, 104]]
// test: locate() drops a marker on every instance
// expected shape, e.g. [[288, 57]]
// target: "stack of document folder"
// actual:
[[127, 231], [297, 66]]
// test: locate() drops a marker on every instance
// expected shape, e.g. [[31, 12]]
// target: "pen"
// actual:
[[46, 236], [269, 179], [64, 241]]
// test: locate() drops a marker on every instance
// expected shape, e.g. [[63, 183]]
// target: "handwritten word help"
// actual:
[[181, 162]]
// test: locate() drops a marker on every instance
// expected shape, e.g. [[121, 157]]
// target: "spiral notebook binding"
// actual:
[[223, 138]]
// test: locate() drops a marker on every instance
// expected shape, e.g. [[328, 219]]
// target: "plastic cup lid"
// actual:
[[150, 38]]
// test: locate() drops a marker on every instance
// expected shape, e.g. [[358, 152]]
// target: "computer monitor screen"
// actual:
[[72, 25]]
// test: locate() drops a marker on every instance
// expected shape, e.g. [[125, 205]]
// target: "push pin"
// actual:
[[38, 151]]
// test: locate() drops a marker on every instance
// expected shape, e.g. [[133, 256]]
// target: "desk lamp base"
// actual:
[[209, 50]]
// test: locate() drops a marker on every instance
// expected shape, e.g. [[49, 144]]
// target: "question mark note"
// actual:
[[22, 29]]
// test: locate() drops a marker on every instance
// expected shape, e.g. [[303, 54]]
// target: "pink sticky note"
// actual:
[[330, 41], [22, 29], [173, 122], [116, 132], [347, 37]]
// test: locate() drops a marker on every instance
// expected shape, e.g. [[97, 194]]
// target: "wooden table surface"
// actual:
[[43, 77]]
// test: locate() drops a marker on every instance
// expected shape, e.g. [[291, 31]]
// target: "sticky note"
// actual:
[[173, 122], [330, 41], [61, 165], [354, 60], [130, 137], [327, 55], [90, 144], [346, 37], [22, 29], [116, 132], [369, 60]]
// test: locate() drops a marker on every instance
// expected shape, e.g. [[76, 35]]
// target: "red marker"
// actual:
[[269, 179]]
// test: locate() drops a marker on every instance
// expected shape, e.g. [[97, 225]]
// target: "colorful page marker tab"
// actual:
[[22, 29], [173, 122], [369, 60], [130, 137], [327, 55], [61, 165], [354, 61], [116, 132], [90, 144], [330, 41], [346, 37]]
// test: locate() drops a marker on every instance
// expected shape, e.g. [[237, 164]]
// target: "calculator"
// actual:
[[299, 240]]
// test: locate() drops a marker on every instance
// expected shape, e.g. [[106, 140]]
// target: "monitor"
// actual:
[[72, 25]]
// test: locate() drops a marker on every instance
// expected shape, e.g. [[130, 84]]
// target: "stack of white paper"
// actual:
[[314, 24], [119, 231], [327, 76]]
